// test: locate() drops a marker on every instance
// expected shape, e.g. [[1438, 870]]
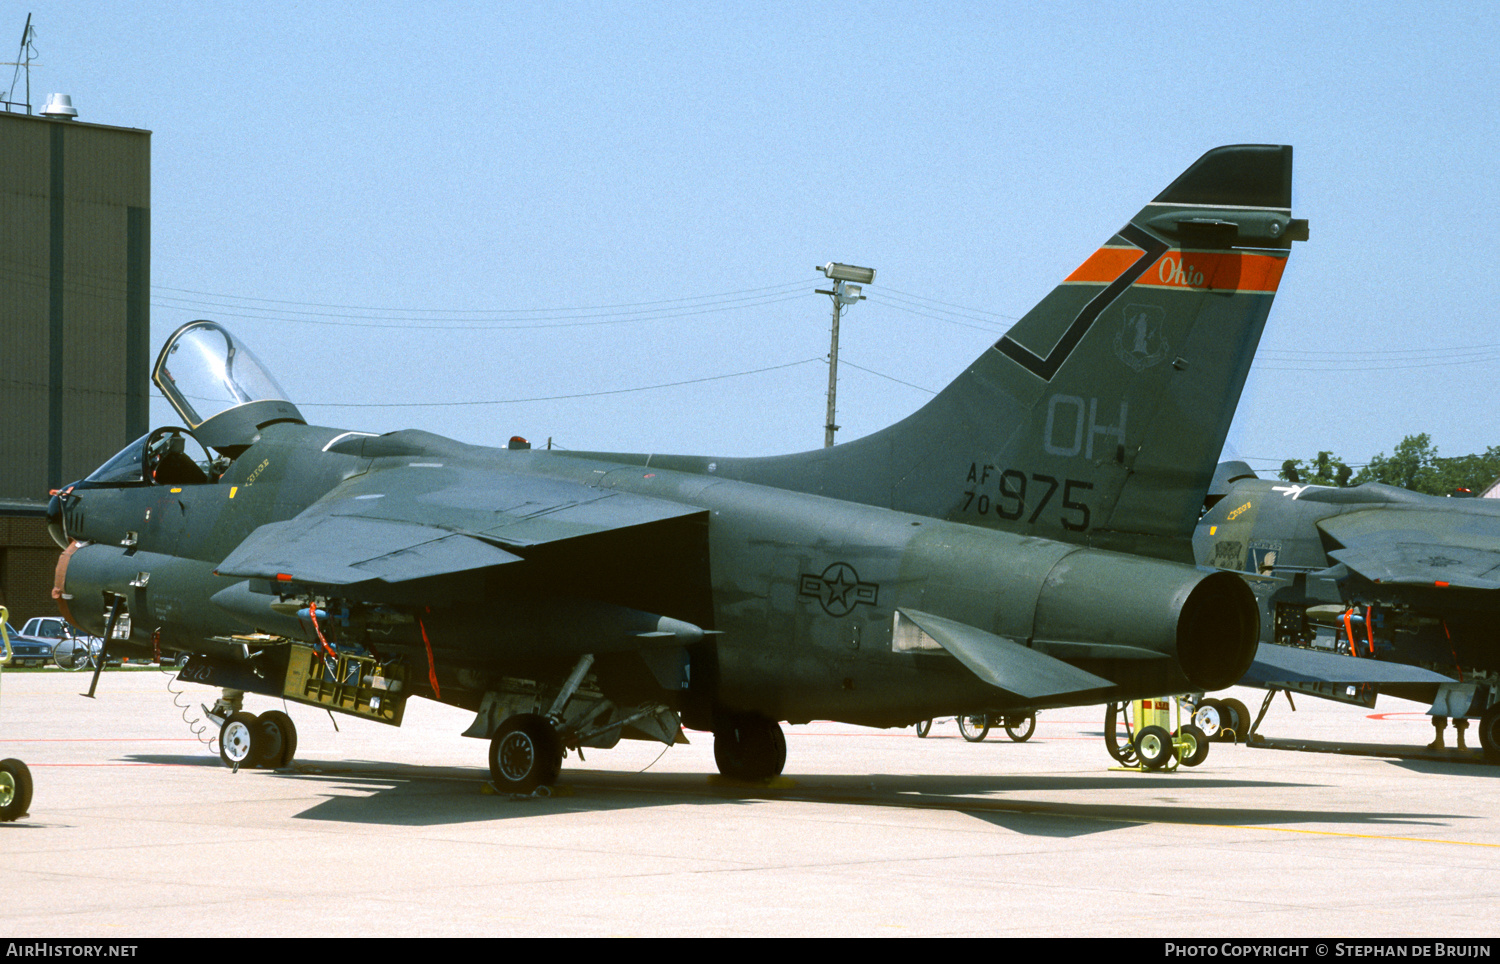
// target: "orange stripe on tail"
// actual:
[[1201, 270]]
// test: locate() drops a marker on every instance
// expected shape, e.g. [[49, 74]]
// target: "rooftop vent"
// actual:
[[60, 106]]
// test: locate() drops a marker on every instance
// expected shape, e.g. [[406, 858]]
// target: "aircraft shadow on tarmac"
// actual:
[[373, 792], [1463, 768]]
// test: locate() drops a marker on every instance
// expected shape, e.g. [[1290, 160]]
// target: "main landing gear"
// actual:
[[526, 753], [529, 738], [748, 746]]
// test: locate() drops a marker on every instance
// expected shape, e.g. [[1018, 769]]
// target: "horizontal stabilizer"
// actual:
[[1291, 664], [341, 550], [1000, 662]]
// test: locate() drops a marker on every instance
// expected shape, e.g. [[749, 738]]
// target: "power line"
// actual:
[[554, 398], [637, 304], [892, 378], [922, 311], [948, 304], [576, 321]]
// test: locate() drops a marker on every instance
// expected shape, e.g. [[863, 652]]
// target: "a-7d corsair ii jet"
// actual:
[[1022, 541], [1391, 576]]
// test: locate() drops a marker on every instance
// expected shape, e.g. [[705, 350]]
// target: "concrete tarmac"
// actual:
[[137, 830]]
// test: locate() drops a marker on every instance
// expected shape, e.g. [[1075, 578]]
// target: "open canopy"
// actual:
[[218, 386]]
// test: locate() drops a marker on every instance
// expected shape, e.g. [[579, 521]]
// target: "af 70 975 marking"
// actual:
[[1009, 501]]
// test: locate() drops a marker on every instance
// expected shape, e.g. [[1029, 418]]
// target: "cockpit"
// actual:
[[170, 455], [223, 394]]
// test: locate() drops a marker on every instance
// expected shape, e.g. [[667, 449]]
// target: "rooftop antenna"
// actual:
[[23, 59]]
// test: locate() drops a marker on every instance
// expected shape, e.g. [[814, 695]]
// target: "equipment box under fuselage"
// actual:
[[357, 685]]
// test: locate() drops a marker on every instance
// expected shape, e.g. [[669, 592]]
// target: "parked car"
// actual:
[[28, 650]]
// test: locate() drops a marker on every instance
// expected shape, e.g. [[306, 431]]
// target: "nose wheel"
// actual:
[[240, 744], [247, 740]]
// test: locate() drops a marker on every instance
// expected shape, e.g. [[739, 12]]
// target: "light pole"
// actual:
[[843, 293]]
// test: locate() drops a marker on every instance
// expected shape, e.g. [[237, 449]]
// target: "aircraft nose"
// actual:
[[55, 519]]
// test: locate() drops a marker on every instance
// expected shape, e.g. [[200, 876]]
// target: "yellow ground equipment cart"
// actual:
[[1155, 741]]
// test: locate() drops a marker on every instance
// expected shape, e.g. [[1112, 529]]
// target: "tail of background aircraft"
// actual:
[[1099, 417]]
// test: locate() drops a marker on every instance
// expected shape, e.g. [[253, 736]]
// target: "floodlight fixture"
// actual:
[[848, 272]]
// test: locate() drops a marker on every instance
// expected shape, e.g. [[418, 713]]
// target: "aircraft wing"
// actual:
[[334, 550], [411, 523], [1292, 664], [1418, 547]]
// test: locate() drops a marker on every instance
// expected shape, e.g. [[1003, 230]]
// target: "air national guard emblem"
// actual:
[[1139, 343]]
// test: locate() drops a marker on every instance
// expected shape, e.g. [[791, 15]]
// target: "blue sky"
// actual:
[[401, 205]]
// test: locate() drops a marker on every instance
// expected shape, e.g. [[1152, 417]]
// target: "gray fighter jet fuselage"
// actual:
[[1020, 542]]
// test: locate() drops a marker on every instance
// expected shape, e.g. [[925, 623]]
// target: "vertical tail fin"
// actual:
[[1099, 417]]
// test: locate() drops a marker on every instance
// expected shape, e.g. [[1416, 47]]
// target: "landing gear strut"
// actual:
[[748, 746]]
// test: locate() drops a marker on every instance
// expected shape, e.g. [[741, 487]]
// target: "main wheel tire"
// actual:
[[1194, 745], [1154, 746], [1020, 728], [974, 726], [749, 747], [526, 753], [15, 790], [1239, 720], [924, 728], [1209, 717], [241, 741], [1489, 733], [280, 734]]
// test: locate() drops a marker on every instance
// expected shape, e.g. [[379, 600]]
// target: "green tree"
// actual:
[[1472, 472], [1410, 466], [1415, 465], [1325, 469]]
